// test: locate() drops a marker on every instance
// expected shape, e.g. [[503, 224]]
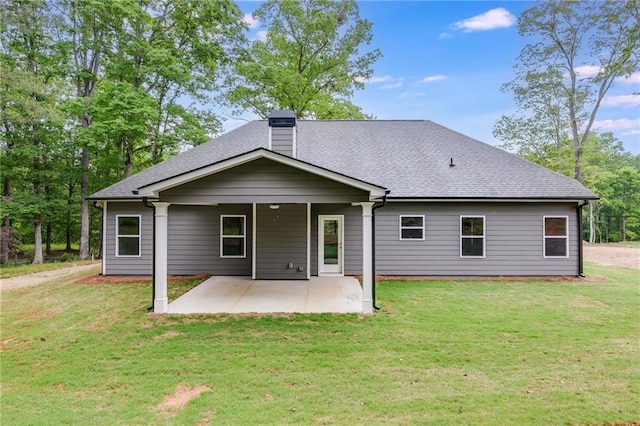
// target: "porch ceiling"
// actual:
[[243, 295]]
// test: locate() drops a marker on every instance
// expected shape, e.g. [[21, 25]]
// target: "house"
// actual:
[[289, 199]]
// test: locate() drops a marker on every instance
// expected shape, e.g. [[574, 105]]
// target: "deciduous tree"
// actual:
[[311, 62], [579, 50]]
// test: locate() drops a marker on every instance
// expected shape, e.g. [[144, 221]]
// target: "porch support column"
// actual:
[[367, 258], [161, 302]]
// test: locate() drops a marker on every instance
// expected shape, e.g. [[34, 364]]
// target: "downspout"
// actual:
[[580, 250], [373, 248], [102, 248], [146, 203]]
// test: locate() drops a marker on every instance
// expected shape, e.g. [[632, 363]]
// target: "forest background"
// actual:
[[92, 92]]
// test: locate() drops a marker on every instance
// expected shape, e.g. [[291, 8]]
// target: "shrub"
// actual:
[[67, 257]]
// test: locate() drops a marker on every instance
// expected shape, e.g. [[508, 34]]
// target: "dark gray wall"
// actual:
[[352, 243], [281, 239], [194, 240], [282, 140], [514, 240], [263, 181], [129, 265]]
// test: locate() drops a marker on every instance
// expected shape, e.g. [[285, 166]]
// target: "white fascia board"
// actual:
[[154, 189]]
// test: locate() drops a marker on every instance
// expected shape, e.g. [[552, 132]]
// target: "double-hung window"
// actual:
[[128, 236], [472, 238], [412, 227], [233, 236], [556, 236]]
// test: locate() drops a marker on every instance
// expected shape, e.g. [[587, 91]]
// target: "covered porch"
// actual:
[[236, 295]]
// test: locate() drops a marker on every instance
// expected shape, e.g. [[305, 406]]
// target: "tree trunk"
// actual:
[[592, 230], [84, 206], [6, 225], [47, 244], [624, 227], [128, 160], [37, 239]]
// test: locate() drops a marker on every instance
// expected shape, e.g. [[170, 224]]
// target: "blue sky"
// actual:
[[445, 61]]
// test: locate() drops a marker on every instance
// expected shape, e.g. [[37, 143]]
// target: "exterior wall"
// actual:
[[282, 140], [129, 265], [194, 240], [352, 243], [281, 239], [513, 238], [263, 181]]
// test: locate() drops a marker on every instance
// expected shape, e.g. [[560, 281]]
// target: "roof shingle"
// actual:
[[409, 157]]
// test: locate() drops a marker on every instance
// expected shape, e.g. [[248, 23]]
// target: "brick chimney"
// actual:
[[282, 132]]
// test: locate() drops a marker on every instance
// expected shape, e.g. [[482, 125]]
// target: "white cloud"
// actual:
[[250, 20], [432, 78], [411, 94], [587, 70], [261, 35], [374, 79], [622, 123], [622, 101], [632, 79], [444, 36], [494, 18], [391, 85], [631, 132]]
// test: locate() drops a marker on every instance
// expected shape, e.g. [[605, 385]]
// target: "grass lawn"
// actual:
[[439, 352]]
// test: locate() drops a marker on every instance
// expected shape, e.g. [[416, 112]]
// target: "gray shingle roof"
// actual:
[[410, 158]]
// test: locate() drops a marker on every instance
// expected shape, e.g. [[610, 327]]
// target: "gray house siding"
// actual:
[[281, 239], [194, 240], [141, 265], [352, 243], [263, 181], [513, 238], [282, 140]]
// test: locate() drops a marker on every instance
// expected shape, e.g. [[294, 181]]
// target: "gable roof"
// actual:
[[411, 158]]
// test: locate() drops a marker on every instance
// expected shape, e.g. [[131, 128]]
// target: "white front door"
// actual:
[[330, 252]]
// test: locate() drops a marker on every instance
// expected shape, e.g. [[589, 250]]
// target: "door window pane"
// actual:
[[330, 242]]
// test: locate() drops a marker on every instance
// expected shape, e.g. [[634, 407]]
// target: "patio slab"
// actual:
[[243, 295]]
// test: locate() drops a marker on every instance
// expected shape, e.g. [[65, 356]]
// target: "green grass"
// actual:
[[439, 352]]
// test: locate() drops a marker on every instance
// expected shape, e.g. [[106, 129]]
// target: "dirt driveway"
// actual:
[[612, 255], [36, 278]]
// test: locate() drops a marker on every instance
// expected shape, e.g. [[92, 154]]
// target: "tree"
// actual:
[[553, 89], [31, 120], [310, 63]]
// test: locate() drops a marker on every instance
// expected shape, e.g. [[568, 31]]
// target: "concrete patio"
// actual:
[[243, 295]]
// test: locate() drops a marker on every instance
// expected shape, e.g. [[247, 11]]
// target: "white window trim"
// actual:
[[400, 227], [544, 236], [243, 236], [139, 236], [484, 236]]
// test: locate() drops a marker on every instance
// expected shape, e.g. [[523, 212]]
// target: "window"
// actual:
[[128, 236], [556, 236], [412, 227], [232, 236], [471, 236]]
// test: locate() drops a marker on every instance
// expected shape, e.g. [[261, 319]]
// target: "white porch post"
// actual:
[[367, 258], [161, 302]]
